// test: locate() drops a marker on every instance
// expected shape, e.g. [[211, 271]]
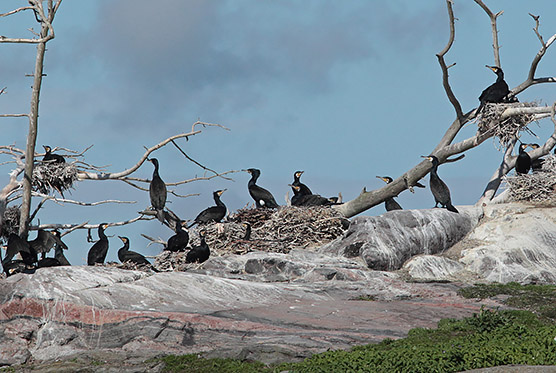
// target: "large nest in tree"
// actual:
[[10, 221], [538, 187], [271, 230], [504, 129], [50, 176]]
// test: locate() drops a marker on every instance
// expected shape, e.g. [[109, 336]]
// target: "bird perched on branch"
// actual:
[[262, 197], [51, 157], [523, 161], [438, 188], [198, 254], [390, 203], [125, 255], [496, 92], [179, 241], [157, 191], [213, 213], [97, 253]]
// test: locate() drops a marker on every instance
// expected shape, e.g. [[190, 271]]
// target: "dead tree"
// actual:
[[447, 148]]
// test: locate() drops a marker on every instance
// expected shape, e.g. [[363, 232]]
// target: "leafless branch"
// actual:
[[86, 226], [194, 161], [442, 62], [79, 203], [493, 17]]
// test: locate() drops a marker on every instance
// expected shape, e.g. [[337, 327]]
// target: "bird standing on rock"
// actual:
[[439, 189], [125, 255], [157, 191], [97, 253], [262, 197]]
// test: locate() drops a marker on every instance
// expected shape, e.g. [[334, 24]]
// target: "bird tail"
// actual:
[[160, 215], [451, 207]]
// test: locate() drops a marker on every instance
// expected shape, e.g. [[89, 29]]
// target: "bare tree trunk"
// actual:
[[32, 135]]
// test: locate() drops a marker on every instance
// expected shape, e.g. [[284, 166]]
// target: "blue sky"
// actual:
[[342, 90]]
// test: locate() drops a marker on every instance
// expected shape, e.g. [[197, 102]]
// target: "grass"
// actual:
[[488, 338]]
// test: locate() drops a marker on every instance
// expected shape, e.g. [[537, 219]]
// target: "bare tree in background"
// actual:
[[34, 184], [446, 147]]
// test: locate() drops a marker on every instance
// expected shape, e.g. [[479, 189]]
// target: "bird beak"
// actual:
[[222, 191], [493, 68]]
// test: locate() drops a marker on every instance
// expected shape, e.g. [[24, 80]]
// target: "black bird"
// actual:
[[157, 191], [536, 164], [439, 189], [51, 157], [213, 213], [43, 243], [97, 253], [523, 161], [300, 199], [262, 197], [247, 235], [198, 254], [12, 266], [48, 262], [303, 188], [125, 255], [495, 93], [390, 203], [16, 245], [59, 249], [179, 241]]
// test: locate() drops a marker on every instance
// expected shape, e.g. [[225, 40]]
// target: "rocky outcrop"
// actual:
[[385, 242], [514, 242], [58, 312]]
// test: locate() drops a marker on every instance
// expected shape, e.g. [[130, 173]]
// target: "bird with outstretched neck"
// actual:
[[262, 197], [213, 213], [390, 203], [439, 189], [157, 191], [97, 253]]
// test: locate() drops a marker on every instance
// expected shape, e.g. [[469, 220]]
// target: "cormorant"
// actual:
[[536, 165], [390, 203], [300, 199], [18, 245], [496, 92], [43, 243], [179, 241], [50, 157], [523, 161], [247, 235], [157, 191], [213, 213], [48, 262], [97, 253], [262, 197], [304, 189], [59, 249], [130, 256], [198, 254], [439, 189]]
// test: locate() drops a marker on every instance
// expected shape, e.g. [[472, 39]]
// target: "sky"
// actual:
[[343, 90]]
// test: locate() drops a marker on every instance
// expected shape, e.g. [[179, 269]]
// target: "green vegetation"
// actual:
[[489, 338], [539, 299]]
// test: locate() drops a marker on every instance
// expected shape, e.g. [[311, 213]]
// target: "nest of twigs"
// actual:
[[537, 187], [49, 176], [10, 221], [504, 129], [271, 230]]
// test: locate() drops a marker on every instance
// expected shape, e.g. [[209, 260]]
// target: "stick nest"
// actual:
[[10, 222], [277, 231], [54, 176], [507, 129], [538, 187]]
